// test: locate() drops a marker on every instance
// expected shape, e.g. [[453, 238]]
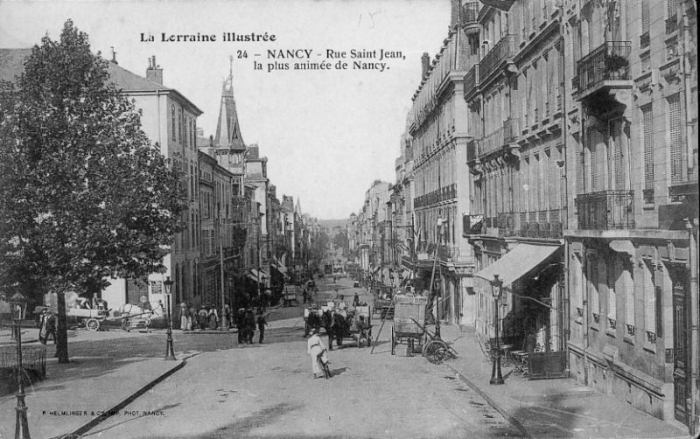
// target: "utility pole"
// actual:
[[224, 319]]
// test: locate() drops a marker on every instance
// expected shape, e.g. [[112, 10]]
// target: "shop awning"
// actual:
[[254, 275], [279, 267], [517, 263]]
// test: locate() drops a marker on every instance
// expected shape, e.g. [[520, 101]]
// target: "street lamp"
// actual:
[[19, 303], [169, 354], [496, 290]]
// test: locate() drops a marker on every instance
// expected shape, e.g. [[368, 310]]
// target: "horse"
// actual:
[[335, 325], [313, 321]]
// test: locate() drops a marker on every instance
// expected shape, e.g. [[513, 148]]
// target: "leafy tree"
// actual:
[[84, 195]]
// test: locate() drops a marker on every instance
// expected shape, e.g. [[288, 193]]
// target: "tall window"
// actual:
[[648, 121], [675, 138], [593, 271], [173, 126], [619, 154], [628, 282], [179, 125], [645, 16], [649, 300], [614, 274]]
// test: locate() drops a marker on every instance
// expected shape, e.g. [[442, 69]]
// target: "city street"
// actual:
[[268, 390]]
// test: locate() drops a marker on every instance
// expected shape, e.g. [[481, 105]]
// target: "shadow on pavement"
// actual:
[[549, 416], [338, 371], [241, 428]]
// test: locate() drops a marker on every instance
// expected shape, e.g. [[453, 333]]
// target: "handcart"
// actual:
[[435, 349], [408, 310]]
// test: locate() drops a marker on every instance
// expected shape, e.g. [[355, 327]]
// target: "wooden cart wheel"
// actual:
[[393, 341], [435, 351], [92, 324]]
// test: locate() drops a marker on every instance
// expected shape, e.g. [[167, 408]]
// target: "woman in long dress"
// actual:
[[315, 347], [213, 318]]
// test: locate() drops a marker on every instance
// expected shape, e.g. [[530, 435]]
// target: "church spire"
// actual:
[[228, 130]]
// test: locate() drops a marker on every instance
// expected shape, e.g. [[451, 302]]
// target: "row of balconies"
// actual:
[[443, 194], [603, 210]]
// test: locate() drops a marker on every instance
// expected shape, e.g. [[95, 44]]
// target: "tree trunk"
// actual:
[[62, 330]]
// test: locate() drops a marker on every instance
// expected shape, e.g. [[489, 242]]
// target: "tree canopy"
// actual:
[[84, 195]]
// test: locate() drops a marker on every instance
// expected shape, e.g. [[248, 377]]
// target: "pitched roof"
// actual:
[[129, 81], [12, 66]]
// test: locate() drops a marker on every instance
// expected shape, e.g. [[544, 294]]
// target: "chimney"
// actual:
[[114, 55], [154, 73], [456, 7], [425, 64]]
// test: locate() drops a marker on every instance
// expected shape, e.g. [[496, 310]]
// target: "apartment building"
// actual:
[[631, 143], [439, 132]]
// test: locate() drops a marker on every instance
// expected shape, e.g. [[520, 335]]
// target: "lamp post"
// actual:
[[169, 354], [496, 290], [19, 303]]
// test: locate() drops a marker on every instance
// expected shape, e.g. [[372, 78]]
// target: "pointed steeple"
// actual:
[[228, 130]]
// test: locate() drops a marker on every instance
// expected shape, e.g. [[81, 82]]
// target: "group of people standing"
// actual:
[[246, 321], [206, 318]]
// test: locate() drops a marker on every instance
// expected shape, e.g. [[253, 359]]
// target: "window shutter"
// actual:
[[645, 16], [676, 147], [618, 154], [649, 300], [648, 117]]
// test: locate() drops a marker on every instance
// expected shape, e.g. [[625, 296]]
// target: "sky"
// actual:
[[327, 134]]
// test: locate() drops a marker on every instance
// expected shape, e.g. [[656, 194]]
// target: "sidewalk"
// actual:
[[551, 408], [75, 396]]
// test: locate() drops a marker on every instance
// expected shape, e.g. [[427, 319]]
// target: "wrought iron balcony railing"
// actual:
[[492, 143], [504, 49], [605, 210], [472, 150], [609, 62], [471, 81], [511, 130], [470, 13]]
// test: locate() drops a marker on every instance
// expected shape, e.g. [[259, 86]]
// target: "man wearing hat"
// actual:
[[47, 326]]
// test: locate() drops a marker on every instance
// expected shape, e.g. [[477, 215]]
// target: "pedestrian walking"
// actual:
[[193, 317], [249, 322], [240, 324], [315, 347], [356, 300], [47, 326], [262, 322], [185, 319]]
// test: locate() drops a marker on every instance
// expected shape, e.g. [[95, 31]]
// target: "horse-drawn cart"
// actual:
[[408, 310], [361, 325]]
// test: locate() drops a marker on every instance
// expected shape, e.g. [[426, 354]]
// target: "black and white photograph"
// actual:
[[339, 219]]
